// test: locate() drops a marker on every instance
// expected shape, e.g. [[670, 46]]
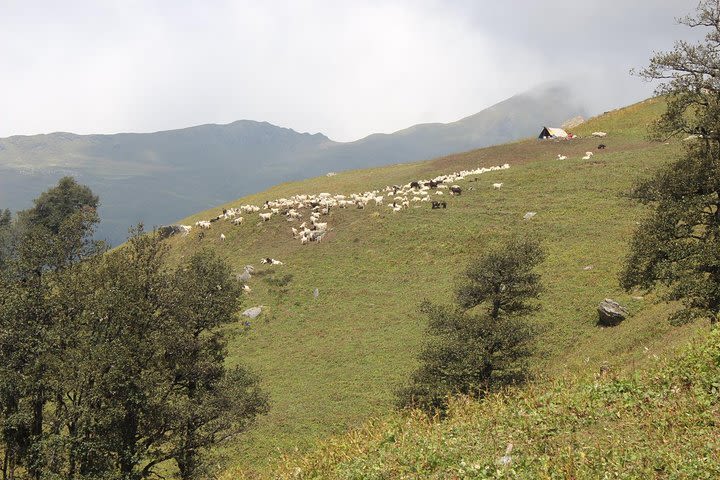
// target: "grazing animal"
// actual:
[[602, 146], [222, 236], [270, 261], [203, 224], [237, 221], [455, 190], [436, 205], [414, 184], [246, 288], [265, 216], [431, 184], [562, 157], [497, 186]]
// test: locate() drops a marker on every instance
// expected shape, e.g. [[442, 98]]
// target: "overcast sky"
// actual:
[[343, 68]]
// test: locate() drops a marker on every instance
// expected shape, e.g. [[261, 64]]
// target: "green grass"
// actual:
[[330, 364], [662, 423]]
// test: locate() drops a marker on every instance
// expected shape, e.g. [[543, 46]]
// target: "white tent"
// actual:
[[550, 132]]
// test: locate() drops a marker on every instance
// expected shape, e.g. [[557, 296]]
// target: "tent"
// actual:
[[549, 132]]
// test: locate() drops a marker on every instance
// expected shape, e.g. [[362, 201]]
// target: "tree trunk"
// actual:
[[36, 430], [129, 438]]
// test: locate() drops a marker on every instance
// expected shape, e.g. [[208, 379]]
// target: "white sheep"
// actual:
[[562, 157], [497, 186], [203, 224], [246, 288], [265, 216], [238, 220], [270, 261], [222, 236]]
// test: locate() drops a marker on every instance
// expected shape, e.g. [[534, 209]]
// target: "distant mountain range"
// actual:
[[160, 177]]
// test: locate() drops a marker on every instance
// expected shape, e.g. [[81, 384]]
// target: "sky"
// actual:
[[342, 68]]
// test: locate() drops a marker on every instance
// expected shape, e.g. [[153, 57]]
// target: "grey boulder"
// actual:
[[253, 312], [611, 313]]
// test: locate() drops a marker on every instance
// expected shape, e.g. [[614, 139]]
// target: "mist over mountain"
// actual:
[[159, 177]]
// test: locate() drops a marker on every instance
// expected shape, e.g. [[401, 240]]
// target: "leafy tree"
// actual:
[[112, 364], [32, 256], [54, 206], [483, 342], [217, 403], [678, 246], [504, 279], [5, 218], [141, 380]]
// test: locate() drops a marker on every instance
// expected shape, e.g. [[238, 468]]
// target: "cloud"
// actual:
[[346, 69]]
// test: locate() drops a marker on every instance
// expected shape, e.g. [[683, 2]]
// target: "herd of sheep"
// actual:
[[396, 197]]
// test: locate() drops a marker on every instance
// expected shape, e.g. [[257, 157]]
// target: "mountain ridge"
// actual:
[[158, 177]]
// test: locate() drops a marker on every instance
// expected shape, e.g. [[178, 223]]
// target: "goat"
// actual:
[[455, 190], [497, 186]]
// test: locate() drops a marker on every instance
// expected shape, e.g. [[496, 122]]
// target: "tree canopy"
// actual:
[[112, 364], [678, 245], [474, 350]]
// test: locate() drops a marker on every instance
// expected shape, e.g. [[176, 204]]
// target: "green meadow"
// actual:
[[332, 363]]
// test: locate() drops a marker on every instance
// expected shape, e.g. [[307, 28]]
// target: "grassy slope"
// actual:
[[662, 423], [331, 363]]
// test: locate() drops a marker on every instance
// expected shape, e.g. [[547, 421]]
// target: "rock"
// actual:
[[588, 267], [529, 215], [167, 231], [611, 313], [573, 122], [243, 277], [253, 312], [316, 293], [599, 134]]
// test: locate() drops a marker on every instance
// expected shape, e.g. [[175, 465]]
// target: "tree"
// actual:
[[5, 218], [113, 363], [678, 245], [142, 379], [32, 255], [217, 403], [54, 206], [484, 341]]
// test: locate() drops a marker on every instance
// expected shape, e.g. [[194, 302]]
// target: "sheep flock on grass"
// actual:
[[396, 197]]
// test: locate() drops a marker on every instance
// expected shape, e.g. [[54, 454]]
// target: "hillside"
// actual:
[[659, 423], [331, 363], [159, 177]]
